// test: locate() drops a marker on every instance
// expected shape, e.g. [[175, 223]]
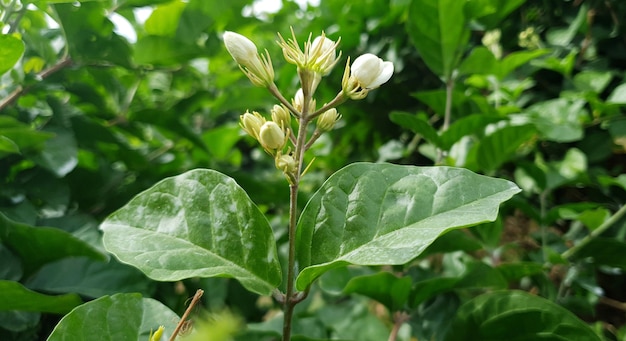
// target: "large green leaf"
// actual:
[[37, 246], [494, 316], [11, 52], [14, 296], [437, 29], [114, 318], [197, 224], [500, 146], [384, 287], [374, 214]]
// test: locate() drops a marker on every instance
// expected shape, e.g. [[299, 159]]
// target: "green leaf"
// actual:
[[89, 278], [11, 52], [493, 316], [20, 134], [518, 270], [468, 125], [559, 120], [416, 125], [8, 146], [491, 12], [60, 153], [164, 19], [438, 30], [14, 296], [37, 246], [500, 146], [114, 318], [375, 214], [164, 51], [482, 61], [478, 275], [618, 96], [591, 80], [603, 251], [390, 290], [197, 224]]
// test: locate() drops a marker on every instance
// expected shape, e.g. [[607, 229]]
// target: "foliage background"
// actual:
[[88, 119]]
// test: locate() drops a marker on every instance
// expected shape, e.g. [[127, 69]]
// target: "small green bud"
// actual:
[[281, 115], [327, 120], [157, 334], [251, 123], [271, 136]]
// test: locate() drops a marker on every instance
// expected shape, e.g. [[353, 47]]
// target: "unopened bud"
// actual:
[[252, 123], [327, 120], [286, 163], [281, 115], [271, 136]]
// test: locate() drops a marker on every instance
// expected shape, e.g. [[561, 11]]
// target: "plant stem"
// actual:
[[399, 318], [595, 233], [183, 319], [543, 226], [447, 112], [291, 298], [42, 75]]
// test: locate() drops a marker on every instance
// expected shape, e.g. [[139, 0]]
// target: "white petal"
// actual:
[[240, 48], [366, 69], [384, 75]]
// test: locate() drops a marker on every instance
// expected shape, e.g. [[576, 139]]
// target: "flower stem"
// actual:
[[291, 296]]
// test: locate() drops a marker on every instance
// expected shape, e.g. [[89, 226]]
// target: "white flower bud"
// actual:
[[242, 49], [370, 71], [258, 69], [271, 136]]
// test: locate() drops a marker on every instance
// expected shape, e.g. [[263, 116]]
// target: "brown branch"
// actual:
[[63, 63], [183, 319]]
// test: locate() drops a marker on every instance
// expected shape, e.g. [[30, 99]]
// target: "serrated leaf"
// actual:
[[197, 224], [374, 214], [493, 316], [437, 29], [14, 296], [113, 318], [37, 246]]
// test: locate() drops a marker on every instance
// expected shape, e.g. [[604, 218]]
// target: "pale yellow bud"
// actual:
[[322, 54], [271, 136], [286, 163], [327, 120], [298, 101], [281, 115], [252, 123]]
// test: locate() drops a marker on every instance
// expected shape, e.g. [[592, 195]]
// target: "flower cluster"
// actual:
[[315, 61]]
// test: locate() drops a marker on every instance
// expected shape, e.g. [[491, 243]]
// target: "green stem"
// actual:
[[447, 113], [595, 233], [543, 226], [291, 296]]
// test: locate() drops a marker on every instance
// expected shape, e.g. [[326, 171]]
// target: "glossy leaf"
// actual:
[[371, 214], [491, 12], [11, 52], [469, 125], [38, 245], [618, 95], [437, 29], [117, 317], [197, 224], [493, 316], [14, 296], [60, 153]]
